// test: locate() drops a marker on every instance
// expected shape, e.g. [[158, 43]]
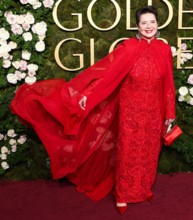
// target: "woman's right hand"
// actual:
[[82, 103]]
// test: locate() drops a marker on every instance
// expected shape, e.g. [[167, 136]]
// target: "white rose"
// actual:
[[23, 65], [27, 36], [11, 18], [16, 29], [1, 136], [181, 98], [41, 37], [25, 26], [31, 73], [183, 91], [12, 78], [6, 63], [174, 51], [14, 148], [11, 133], [30, 80], [40, 46], [188, 56], [4, 156], [24, 2], [29, 18], [4, 165], [191, 91], [48, 3], [20, 19], [26, 55], [16, 64], [191, 101], [4, 150], [37, 5], [5, 48], [12, 45], [4, 35], [190, 79], [22, 139], [12, 141], [20, 75], [32, 67], [39, 28]]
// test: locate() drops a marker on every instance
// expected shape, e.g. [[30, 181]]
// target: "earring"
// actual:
[[157, 35], [138, 36]]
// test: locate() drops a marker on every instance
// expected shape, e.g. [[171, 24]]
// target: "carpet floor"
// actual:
[[58, 200]]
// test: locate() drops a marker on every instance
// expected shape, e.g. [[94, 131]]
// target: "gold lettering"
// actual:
[[89, 15], [55, 17], [57, 57], [180, 15]]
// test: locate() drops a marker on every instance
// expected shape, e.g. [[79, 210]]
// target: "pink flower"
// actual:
[[16, 29], [183, 46], [48, 3], [25, 26], [23, 65], [11, 18], [24, 2]]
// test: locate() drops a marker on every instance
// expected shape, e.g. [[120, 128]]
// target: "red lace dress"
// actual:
[[133, 86], [140, 130]]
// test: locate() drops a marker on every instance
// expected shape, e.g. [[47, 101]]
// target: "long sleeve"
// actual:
[[170, 100]]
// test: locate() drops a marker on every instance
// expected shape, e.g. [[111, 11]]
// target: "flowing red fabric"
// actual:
[[82, 144]]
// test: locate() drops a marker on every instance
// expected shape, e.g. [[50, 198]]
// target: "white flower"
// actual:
[[191, 91], [6, 63], [191, 101], [181, 98], [41, 37], [183, 46], [26, 55], [4, 165], [25, 26], [188, 56], [12, 78], [11, 133], [13, 45], [20, 19], [40, 46], [4, 156], [29, 18], [11, 18], [4, 150], [48, 3], [12, 141], [5, 48], [1, 136], [174, 51], [14, 148], [31, 73], [16, 64], [22, 139], [27, 36], [24, 2], [16, 29], [190, 79], [4, 35], [32, 67], [23, 65], [20, 75], [183, 91], [39, 28], [30, 80]]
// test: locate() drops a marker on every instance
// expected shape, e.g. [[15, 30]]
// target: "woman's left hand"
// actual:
[[168, 121]]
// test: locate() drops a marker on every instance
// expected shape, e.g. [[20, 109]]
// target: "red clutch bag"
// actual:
[[170, 136]]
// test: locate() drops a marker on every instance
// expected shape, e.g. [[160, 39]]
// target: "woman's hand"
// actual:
[[169, 121], [82, 102]]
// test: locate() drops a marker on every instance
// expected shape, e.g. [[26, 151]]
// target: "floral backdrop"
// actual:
[[27, 32]]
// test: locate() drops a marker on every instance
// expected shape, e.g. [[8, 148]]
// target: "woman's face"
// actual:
[[148, 26]]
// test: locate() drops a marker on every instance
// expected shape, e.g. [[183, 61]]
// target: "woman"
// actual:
[[105, 126]]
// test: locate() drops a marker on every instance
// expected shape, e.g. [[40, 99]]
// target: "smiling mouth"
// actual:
[[148, 31]]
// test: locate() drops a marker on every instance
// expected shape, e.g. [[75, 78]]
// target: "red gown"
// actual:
[[117, 139]]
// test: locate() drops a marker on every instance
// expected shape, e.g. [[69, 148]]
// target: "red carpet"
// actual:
[[53, 200]]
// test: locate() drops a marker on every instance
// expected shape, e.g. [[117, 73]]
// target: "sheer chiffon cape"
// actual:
[[81, 144]]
